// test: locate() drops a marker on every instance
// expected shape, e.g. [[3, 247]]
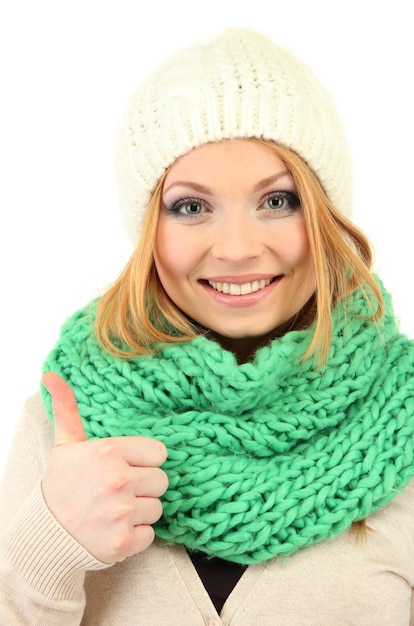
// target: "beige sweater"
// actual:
[[46, 578]]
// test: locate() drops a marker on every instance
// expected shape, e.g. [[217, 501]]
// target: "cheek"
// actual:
[[296, 247], [174, 252], [166, 247]]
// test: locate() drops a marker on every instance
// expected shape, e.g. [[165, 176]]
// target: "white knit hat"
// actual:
[[239, 85]]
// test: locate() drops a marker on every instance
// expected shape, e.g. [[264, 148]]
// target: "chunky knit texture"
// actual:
[[239, 85], [265, 457]]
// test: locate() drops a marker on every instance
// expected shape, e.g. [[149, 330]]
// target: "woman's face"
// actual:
[[231, 249]]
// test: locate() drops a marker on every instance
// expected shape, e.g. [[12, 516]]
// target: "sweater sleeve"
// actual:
[[42, 568]]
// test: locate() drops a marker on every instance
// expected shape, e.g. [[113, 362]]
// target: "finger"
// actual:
[[141, 451], [148, 511], [149, 482], [140, 539], [68, 422]]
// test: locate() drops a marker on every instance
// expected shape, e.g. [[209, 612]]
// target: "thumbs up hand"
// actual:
[[104, 492]]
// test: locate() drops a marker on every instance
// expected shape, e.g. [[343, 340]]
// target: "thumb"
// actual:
[[68, 422]]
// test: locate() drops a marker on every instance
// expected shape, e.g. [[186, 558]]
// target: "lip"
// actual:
[[245, 300]]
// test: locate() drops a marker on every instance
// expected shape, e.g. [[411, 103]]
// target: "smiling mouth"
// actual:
[[234, 289]]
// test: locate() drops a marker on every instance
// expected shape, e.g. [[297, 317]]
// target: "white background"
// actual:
[[67, 71]]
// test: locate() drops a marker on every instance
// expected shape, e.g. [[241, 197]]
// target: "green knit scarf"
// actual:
[[266, 457]]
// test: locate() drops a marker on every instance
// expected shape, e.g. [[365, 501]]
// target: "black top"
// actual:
[[219, 577]]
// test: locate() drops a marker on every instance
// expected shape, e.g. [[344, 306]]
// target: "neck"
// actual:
[[245, 348]]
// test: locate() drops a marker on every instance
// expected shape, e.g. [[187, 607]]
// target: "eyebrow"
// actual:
[[206, 190], [270, 180]]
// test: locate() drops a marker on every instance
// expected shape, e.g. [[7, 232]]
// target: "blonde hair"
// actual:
[[135, 314]]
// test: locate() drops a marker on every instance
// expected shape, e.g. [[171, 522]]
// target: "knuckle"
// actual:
[[128, 543], [121, 512], [116, 481], [106, 450], [122, 544]]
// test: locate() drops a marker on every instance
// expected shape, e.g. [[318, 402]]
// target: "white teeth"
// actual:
[[240, 290]]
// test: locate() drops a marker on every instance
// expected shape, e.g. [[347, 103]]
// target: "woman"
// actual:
[[249, 351]]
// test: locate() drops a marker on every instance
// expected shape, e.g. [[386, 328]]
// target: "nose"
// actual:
[[236, 240]]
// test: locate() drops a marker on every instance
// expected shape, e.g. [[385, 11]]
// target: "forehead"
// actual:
[[227, 160]]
